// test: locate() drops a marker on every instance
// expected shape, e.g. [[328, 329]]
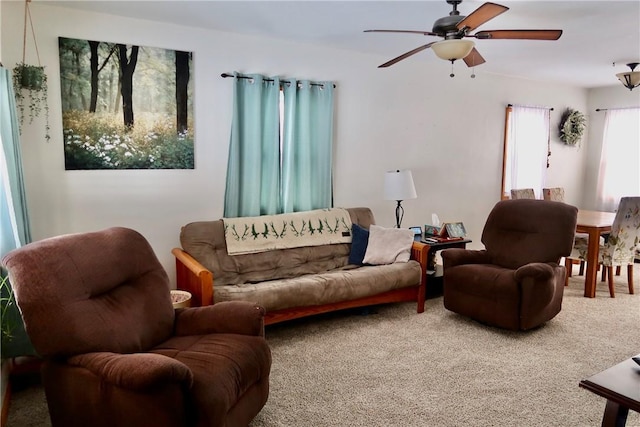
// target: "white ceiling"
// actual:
[[596, 33]]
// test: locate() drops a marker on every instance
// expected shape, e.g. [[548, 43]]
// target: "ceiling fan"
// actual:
[[455, 27]]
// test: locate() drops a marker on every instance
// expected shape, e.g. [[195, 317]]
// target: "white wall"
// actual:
[[448, 131]]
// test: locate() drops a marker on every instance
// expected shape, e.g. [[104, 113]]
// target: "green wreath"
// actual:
[[572, 124]]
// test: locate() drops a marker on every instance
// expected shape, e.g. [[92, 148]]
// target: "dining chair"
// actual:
[[619, 249], [523, 193], [554, 194]]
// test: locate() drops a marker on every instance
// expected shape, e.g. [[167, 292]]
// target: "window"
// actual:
[[526, 149], [619, 173], [280, 152], [14, 218]]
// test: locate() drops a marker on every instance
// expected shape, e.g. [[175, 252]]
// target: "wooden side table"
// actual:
[[432, 248], [620, 385]]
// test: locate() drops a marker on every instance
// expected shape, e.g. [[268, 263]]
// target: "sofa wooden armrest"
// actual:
[[192, 277], [420, 253]]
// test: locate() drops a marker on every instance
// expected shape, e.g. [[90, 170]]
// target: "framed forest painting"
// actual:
[[125, 106]]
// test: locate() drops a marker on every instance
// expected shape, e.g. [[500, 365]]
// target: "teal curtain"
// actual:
[[253, 172], [307, 146], [14, 219]]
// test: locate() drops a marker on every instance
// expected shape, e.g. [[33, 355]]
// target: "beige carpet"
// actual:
[[393, 367]]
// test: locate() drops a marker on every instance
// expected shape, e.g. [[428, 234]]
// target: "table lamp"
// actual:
[[398, 186]]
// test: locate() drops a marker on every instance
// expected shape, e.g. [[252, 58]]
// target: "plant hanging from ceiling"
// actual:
[[572, 125], [30, 82]]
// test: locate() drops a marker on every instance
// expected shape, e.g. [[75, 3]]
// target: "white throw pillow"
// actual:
[[388, 245]]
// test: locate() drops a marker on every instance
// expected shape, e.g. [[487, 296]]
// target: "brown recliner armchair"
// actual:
[[98, 310], [516, 282]]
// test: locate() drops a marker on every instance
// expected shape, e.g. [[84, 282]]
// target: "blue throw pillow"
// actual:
[[359, 242]]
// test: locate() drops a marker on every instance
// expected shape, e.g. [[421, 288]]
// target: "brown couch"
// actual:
[[97, 308], [294, 282], [516, 282]]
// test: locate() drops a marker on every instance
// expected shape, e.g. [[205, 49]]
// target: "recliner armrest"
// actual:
[[230, 317], [136, 371], [536, 270], [458, 256], [540, 284]]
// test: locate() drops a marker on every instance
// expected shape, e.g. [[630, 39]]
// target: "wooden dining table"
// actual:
[[595, 224]]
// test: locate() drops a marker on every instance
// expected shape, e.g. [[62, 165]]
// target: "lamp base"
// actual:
[[399, 214]]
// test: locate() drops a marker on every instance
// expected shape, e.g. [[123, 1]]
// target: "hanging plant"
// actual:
[[30, 82], [30, 86], [572, 124]]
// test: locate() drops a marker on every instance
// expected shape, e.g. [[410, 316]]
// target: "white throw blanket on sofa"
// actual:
[[291, 230]]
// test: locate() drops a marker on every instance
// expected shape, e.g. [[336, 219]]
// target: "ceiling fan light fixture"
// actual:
[[630, 79], [451, 50]]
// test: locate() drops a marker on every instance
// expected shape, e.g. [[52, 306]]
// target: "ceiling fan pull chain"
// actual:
[[473, 72], [452, 75]]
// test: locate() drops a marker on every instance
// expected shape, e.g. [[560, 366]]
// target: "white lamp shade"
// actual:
[[398, 185], [453, 49], [630, 79]]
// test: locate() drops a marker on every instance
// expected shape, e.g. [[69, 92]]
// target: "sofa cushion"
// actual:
[[205, 241], [388, 245], [359, 241], [343, 284]]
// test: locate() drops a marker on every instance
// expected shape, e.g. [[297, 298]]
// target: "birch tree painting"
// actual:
[[125, 106]]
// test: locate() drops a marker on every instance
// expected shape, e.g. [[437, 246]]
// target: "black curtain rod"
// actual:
[[621, 108], [225, 75], [533, 106]]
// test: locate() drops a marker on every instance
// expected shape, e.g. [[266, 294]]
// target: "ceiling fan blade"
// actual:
[[426, 33], [519, 34], [406, 55], [481, 15], [474, 58]]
